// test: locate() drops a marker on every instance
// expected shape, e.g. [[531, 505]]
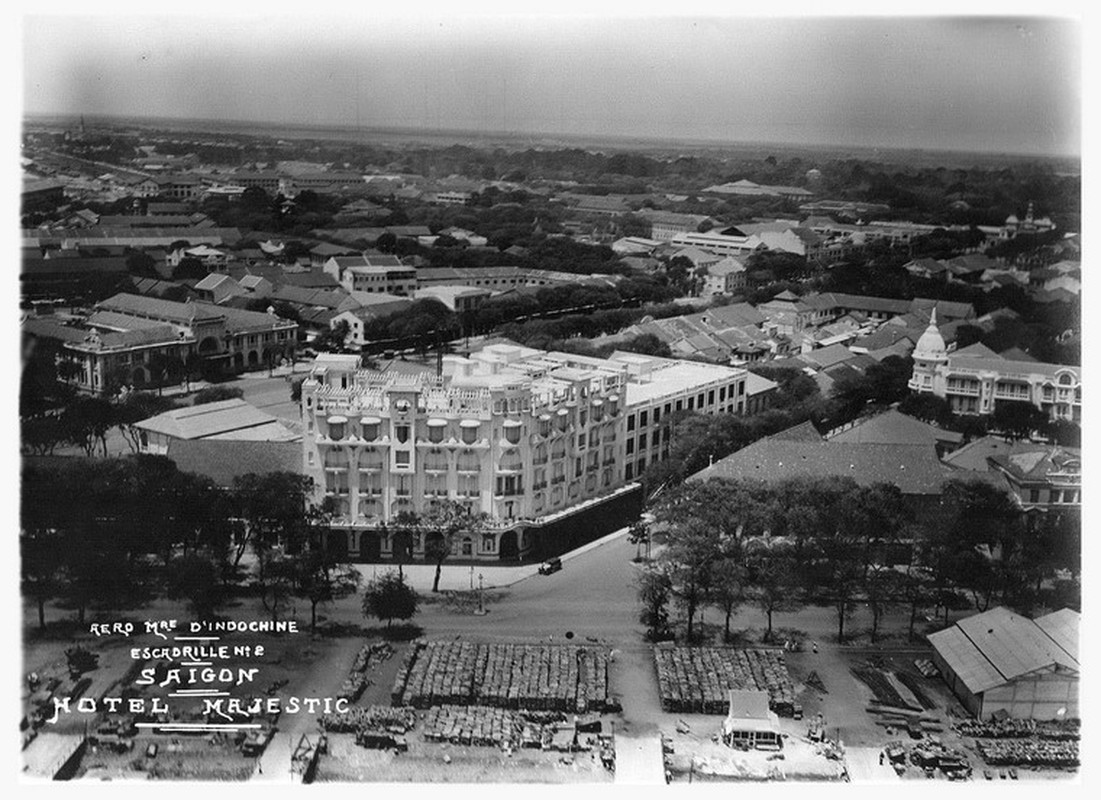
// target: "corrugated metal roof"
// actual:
[[1062, 626], [997, 646], [209, 419], [964, 659]]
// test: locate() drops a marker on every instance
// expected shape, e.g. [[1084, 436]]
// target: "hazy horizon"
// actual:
[[984, 85]]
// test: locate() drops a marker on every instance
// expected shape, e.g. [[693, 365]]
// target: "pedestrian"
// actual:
[[881, 758]]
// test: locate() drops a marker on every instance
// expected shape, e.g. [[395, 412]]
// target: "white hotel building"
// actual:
[[540, 442]]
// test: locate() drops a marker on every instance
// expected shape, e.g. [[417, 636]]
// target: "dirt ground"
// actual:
[[424, 763]]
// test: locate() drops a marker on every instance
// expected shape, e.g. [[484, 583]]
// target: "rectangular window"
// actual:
[[1034, 496], [401, 458], [657, 415], [680, 405], [642, 416], [691, 403], [668, 409], [722, 393], [711, 398], [699, 400], [631, 422], [630, 472], [630, 446]]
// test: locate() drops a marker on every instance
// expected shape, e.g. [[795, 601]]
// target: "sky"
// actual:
[[960, 83]]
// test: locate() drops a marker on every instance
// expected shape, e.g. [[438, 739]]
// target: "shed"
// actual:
[[999, 661], [749, 723]]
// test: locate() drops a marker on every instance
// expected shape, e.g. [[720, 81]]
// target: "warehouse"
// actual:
[[1000, 661]]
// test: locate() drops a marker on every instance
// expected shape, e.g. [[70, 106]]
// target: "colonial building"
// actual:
[[130, 340], [535, 440], [974, 384]]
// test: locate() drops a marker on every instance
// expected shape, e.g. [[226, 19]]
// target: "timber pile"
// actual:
[[913, 683], [528, 677], [696, 680], [885, 692], [411, 656], [1028, 753], [1010, 728], [369, 656], [384, 718], [486, 727]]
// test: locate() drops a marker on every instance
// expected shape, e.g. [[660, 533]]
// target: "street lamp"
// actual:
[[481, 610]]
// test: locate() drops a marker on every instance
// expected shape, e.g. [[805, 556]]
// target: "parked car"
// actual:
[[550, 565]]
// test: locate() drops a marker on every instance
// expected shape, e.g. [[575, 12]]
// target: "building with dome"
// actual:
[[973, 380], [1030, 225], [548, 446]]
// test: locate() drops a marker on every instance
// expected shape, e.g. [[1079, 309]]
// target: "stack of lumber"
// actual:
[[527, 677], [1028, 753], [482, 726], [697, 680], [393, 720]]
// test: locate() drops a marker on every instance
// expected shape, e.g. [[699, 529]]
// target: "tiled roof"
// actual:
[[1037, 462], [161, 309], [894, 427], [803, 432], [222, 461], [915, 469], [825, 357]]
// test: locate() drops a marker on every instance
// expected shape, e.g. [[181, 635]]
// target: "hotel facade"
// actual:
[[536, 441]]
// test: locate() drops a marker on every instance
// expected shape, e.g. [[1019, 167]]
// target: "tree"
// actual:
[[727, 587], [197, 579], [277, 578], [134, 408], [189, 268], [1018, 419], [654, 593], [444, 522], [40, 562], [386, 242], [86, 422], [928, 408], [882, 589], [321, 580], [389, 597], [773, 579], [272, 507], [639, 534], [215, 394]]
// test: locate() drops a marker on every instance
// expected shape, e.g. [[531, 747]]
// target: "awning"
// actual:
[[370, 421], [437, 423], [512, 423], [336, 419], [469, 423], [563, 412]]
